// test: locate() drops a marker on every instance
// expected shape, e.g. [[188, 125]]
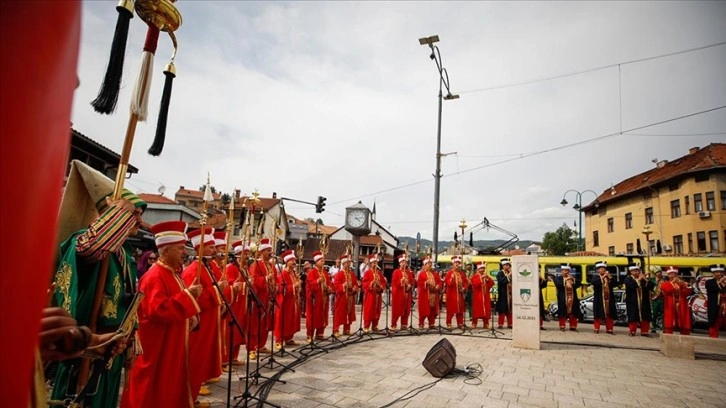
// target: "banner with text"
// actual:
[[525, 302]]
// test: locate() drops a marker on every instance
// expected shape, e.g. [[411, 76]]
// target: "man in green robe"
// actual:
[[81, 256]]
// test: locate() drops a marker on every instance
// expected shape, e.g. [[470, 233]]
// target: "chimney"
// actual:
[[236, 194], [693, 150], [662, 164], [181, 187], [274, 194]]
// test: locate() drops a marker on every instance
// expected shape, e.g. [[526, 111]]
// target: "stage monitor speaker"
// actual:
[[441, 359]]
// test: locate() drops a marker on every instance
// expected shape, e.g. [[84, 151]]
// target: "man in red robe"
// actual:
[[205, 358], [235, 269], [219, 268], [402, 283], [346, 288], [481, 304], [166, 314], [261, 272], [429, 293], [716, 293], [456, 286], [317, 290], [676, 312], [374, 284], [286, 313]]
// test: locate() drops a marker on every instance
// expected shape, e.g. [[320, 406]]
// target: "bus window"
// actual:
[[618, 274]]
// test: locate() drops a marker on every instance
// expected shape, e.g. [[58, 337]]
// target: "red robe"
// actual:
[[455, 303], [401, 281], [316, 315], [676, 312], [258, 328], [481, 303], [205, 358], [344, 298], [164, 334], [373, 298], [428, 298], [287, 310]]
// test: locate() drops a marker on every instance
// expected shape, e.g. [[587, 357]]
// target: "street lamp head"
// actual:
[[576, 207], [563, 202], [428, 40], [451, 96]]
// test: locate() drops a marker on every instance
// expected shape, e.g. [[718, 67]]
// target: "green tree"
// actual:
[[561, 241], [226, 198], [204, 186]]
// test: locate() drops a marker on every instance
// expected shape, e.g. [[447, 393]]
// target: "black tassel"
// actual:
[[158, 144], [107, 97]]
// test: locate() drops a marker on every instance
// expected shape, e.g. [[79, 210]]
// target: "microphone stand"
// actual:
[[332, 337], [492, 330], [233, 323], [440, 328], [312, 346], [411, 330], [246, 396], [282, 343], [360, 332]]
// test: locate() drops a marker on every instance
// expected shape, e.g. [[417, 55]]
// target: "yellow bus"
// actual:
[[549, 266]]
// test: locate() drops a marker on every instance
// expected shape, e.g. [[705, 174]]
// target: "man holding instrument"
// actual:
[[317, 291], [235, 270], [166, 315], [456, 286], [205, 358], [257, 317], [346, 288], [76, 278], [287, 314], [374, 285], [429, 292]]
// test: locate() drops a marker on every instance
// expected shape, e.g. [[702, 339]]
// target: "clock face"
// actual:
[[356, 219]]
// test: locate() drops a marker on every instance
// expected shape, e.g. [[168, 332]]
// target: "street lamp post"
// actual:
[[647, 232], [443, 82], [578, 207]]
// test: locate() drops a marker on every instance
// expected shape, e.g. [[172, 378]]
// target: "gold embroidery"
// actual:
[[110, 306], [63, 282]]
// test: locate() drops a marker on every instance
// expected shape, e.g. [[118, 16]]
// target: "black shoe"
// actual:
[[542, 328], [610, 332], [573, 329], [562, 329], [631, 334]]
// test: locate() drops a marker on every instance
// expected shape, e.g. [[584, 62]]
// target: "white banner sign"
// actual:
[[525, 302]]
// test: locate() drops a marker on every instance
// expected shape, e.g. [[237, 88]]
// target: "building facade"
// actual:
[[677, 208]]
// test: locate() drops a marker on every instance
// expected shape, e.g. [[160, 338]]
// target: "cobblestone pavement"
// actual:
[[572, 370]]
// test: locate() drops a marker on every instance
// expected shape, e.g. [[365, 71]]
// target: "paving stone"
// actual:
[[375, 373]]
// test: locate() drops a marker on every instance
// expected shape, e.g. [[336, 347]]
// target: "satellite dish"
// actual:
[[162, 189]]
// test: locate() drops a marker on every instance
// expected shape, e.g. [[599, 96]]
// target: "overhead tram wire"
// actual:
[[588, 70], [586, 141], [537, 153]]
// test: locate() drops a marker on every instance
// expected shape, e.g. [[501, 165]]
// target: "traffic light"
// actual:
[[320, 206]]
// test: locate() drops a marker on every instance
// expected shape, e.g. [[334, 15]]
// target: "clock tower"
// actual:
[[358, 220], [358, 223]]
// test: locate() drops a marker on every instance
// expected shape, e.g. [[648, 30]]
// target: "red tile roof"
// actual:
[[195, 193], [156, 199], [710, 157], [265, 203], [312, 227]]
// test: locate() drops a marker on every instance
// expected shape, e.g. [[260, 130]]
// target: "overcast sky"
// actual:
[[339, 99]]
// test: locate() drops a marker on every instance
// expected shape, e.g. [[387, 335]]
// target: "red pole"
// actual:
[[38, 79]]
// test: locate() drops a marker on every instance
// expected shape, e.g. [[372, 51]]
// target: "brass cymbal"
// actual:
[[163, 14]]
